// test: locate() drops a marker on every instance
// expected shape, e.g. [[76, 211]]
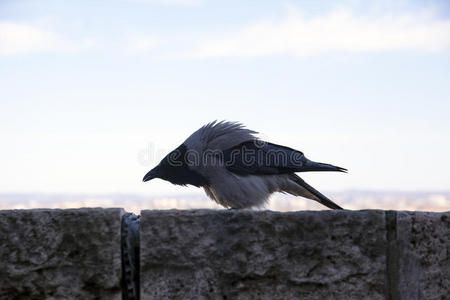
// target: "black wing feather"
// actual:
[[258, 157]]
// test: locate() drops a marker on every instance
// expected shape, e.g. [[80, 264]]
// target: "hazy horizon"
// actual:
[[354, 200]]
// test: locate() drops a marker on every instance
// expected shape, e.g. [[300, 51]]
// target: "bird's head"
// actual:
[[174, 168], [167, 169]]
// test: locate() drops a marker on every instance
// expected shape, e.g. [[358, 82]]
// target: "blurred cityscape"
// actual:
[[354, 200]]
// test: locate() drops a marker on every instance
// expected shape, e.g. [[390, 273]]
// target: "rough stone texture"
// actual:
[[207, 254], [60, 254], [421, 245], [228, 254]]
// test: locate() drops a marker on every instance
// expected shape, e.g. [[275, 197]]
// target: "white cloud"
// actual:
[[16, 38], [337, 31], [174, 2], [143, 43]]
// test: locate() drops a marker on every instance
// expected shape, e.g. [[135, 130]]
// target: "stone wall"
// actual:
[[60, 254], [232, 254], [225, 254]]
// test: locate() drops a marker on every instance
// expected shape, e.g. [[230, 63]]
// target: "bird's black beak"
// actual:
[[153, 173]]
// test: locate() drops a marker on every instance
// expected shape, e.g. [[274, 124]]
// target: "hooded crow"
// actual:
[[237, 169]]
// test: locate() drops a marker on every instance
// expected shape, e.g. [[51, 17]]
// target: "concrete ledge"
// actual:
[[60, 254], [224, 254], [310, 255]]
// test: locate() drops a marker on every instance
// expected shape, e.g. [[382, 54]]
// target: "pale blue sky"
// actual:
[[87, 87]]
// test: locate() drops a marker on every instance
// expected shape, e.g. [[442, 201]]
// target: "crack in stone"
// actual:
[[130, 248], [392, 266]]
